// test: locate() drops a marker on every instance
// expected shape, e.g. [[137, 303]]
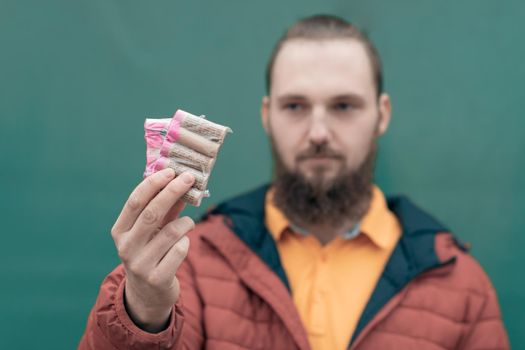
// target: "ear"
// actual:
[[385, 112], [265, 108]]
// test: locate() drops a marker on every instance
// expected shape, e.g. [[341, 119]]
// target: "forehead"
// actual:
[[331, 66]]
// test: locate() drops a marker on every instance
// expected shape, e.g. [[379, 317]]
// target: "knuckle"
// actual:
[[150, 216], [172, 231], [123, 251], [123, 256], [135, 268], [150, 180], [134, 202], [153, 181], [178, 227], [187, 223], [114, 233], [155, 279], [174, 189], [185, 241], [182, 246]]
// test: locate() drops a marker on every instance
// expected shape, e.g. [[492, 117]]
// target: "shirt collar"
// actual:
[[348, 235], [378, 224]]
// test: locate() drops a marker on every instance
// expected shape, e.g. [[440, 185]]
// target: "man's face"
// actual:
[[323, 113]]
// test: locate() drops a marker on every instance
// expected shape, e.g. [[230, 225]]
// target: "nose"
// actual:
[[319, 132]]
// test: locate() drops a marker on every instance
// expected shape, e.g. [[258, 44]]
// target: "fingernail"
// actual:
[[187, 178], [168, 172]]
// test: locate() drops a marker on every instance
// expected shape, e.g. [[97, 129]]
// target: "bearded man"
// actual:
[[319, 258]]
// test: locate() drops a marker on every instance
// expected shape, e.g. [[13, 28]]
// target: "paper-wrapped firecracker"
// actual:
[[185, 143]]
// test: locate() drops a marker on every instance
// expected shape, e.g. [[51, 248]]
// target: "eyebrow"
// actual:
[[348, 97], [288, 97]]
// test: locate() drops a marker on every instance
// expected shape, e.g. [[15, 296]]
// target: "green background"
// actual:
[[77, 79]]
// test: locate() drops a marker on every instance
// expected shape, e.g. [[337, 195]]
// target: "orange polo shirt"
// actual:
[[331, 284]]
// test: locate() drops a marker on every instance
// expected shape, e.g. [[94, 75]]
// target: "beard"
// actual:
[[317, 201]]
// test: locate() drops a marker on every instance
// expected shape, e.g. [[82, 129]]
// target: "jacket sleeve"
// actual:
[[488, 331], [109, 327]]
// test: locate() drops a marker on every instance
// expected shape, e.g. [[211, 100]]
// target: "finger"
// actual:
[[159, 245], [151, 218], [174, 257], [174, 212], [139, 198]]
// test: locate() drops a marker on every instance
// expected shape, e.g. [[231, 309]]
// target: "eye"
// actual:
[[293, 106], [342, 106]]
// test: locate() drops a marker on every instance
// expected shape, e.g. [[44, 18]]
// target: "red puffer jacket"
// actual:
[[235, 295]]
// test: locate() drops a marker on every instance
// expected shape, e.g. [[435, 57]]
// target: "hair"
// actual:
[[323, 27]]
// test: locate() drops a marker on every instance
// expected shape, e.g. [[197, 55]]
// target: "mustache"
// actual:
[[319, 151]]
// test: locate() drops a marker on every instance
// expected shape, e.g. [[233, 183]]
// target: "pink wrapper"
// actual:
[[159, 138], [173, 130], [154, 134]]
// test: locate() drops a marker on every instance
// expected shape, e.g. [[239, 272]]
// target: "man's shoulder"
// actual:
[[460, 270], [466, 273]]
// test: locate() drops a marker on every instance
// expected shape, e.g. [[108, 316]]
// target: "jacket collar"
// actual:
[[414, 254], [246, 212]]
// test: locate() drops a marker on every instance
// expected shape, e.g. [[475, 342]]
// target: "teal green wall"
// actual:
[[77, 79]]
